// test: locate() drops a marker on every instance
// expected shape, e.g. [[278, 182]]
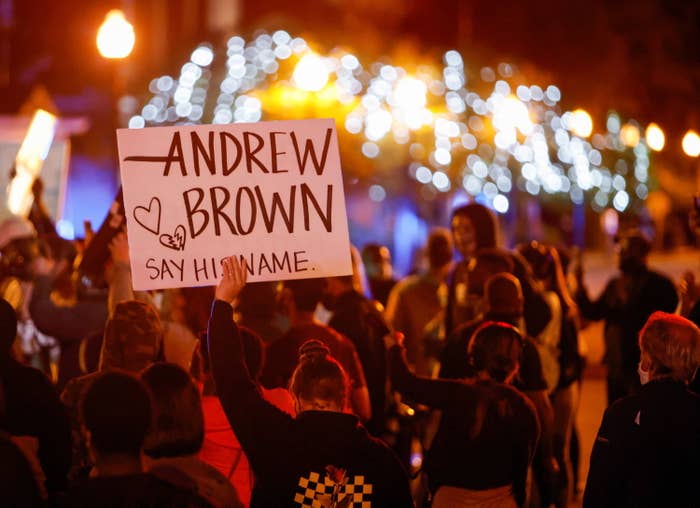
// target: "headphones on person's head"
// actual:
[[476, 349]]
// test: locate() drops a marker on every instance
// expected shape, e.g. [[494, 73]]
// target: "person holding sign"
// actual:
[[324, 454], [271, 190]]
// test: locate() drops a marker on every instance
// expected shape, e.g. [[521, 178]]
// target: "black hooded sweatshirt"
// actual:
[[313, 457]]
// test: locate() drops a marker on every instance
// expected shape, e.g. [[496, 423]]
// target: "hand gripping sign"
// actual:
[[270, 192]]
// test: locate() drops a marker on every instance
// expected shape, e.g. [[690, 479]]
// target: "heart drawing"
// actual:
[[149, 218], [176, 241]]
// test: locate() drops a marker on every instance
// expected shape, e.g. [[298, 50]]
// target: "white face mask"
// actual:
[[643, 374]]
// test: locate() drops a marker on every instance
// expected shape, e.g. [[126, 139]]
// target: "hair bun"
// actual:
[[313, 349]]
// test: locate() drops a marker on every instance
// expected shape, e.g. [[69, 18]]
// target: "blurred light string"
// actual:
[[487, 138]]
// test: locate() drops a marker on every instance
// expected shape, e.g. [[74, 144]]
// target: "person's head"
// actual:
[[489, 262], [253, 352], [319, 382], [633, 248], [8, 327], [18, 248], [336, 286], [133, 337], [504, 295], [473, 228], [177, 427], [494, 350], [306, 293], [15, 228], [196, 306], [539, 256], [377, 261], [116, 412], [18, 482], [258, 299], [439, 248], [670, 346]]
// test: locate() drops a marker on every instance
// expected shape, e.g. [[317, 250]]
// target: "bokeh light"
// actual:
[[655, 137], [581, 123], [484, 139], [311, 73], [630, 135], [691, 143]]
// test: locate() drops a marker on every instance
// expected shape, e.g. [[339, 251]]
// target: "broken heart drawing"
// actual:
[[149, 217], [176, 241]]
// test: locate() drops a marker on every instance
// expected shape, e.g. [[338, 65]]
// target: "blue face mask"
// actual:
[[643, 374]]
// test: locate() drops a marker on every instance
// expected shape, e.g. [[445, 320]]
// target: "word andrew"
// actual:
[[240, 210]]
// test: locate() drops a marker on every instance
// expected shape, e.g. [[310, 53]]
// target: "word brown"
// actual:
[[240, 215]]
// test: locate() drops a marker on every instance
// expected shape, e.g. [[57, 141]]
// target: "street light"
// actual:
[[115, 41], [115, 38], [691, 143]]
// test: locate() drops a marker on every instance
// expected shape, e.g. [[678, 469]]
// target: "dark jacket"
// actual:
[[359, 320], [69, 325], [647, 453], [487, 435], [298, 460], [536, 311], [128, 491], [625, 304], [34, 409]]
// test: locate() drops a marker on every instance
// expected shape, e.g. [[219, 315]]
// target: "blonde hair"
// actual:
[[673, 344], [319, 376]]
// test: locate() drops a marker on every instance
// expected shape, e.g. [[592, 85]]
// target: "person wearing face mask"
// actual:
[[625, 304], [647, 452], [475, 229]]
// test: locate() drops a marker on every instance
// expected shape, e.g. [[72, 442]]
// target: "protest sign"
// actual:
[[269, 192]]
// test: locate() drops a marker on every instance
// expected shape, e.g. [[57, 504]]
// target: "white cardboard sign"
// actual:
[[269, 192]]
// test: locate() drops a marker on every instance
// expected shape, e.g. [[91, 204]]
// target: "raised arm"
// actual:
[[240, 396], [64, 323], [437, 393]]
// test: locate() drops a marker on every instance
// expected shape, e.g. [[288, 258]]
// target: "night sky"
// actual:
[[639, 57]]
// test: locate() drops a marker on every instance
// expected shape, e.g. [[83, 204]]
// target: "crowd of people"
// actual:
[[457, 386]]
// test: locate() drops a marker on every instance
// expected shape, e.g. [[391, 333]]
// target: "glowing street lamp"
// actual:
[[691, 143], [581, 123], [655, 137], [115, 38]]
